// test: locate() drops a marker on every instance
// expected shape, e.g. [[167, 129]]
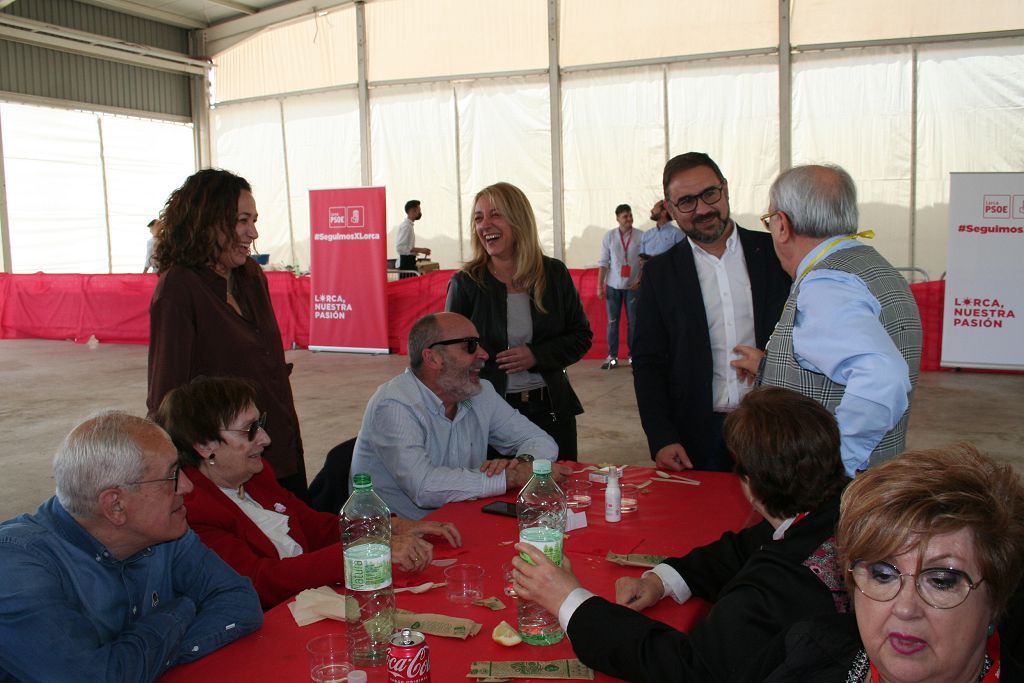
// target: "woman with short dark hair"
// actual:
[[760, 580], [240, 511]]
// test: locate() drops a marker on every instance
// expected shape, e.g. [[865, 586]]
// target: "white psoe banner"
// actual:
[[982, 326]]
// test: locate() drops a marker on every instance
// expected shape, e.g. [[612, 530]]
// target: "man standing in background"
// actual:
[[618, 279], [406, 240], [663, 236]]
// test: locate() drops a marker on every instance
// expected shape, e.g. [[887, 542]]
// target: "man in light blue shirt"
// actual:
[[618, 277], [425, 433], [850, 332], [105, 582], [663, 236]]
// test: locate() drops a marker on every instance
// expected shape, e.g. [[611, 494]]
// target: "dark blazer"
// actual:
[[193, 331], [823, 650], [672, 368], [759, 587], [222, 526], [560, 337]]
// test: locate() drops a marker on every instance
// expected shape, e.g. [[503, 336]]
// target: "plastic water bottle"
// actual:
[[369, 595], [613, 497], [541, 510]]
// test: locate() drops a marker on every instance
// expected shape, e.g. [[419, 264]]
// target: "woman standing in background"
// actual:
[[211, 312], [527, 311]]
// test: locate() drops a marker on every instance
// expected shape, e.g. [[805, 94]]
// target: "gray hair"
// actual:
[[100, 453], [820, 201], [424, 332]]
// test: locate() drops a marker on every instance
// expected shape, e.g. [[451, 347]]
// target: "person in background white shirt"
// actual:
[[154, 228], [406, 240], [618, 279]]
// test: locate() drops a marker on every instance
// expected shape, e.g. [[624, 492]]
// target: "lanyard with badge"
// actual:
[[626, 269], [866, 234]]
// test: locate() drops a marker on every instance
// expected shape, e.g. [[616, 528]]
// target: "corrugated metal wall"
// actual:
[[56, 75]]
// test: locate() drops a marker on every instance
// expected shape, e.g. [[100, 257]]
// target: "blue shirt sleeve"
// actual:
[[838, 333], [226, 604]]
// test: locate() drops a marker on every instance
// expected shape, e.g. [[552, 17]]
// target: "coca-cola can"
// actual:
[[408, 658]]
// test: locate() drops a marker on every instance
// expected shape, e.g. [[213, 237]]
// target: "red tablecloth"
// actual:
[[671, 519], [115, 308]]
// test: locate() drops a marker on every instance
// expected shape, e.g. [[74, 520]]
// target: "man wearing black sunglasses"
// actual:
[[105, 580], [720, 287], [425, 433]]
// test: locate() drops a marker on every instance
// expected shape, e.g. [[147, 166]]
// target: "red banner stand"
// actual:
[[348, 265]]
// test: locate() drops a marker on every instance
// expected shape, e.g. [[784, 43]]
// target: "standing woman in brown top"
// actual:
[[211, 312]]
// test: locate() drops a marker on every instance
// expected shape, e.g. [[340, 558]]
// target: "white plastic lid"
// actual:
[[357, 676], [541, 467]]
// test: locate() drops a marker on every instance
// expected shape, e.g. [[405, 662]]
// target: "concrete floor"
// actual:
[[49, 386]]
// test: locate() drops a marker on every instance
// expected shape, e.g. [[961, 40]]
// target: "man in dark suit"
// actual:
[[697, 302]]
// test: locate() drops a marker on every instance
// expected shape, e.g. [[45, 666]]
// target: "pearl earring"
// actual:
[[211, 461]]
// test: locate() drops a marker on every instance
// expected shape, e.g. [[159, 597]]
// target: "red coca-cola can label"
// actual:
[[408, 658]]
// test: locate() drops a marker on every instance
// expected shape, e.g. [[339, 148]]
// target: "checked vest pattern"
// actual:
[[899, 317]]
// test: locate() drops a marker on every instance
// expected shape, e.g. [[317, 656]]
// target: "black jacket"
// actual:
[[560, 337], [758, 586], [822, 650], [672, 367]]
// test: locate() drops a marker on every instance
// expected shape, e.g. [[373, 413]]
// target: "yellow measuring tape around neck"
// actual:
[[865, 234]]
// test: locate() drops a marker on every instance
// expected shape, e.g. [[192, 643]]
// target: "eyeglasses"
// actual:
[[173, 477], [767, 219], [709, 196], [471, 343], [252, 429], [941, 588]]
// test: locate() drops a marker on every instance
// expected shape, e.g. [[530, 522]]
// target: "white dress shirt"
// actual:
[[725, 287]]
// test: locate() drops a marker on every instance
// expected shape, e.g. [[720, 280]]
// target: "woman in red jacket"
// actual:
[[243, 514]]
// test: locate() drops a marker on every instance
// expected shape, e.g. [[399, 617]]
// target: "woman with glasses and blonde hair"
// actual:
[[528, 313], [240, 511], [933, 544]]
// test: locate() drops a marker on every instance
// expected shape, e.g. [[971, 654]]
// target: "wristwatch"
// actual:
[[524, 457]]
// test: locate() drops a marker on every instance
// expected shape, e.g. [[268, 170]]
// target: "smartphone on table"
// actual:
[[500, 507]]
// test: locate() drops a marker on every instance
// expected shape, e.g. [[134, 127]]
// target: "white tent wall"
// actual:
[[970, 116], [413, 141], [323, 152], [81, 186], [314, 52], [729, 110], [138, 185], [408, 40], [458, 95], [248, 140], [854, 109], [505, 135], [613, 145]]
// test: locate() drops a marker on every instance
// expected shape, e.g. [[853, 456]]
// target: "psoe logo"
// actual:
[[337, 217], [997, 206], [345, 217], [1018, 206]]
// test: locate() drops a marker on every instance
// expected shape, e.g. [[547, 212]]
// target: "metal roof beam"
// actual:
[[137, 10], [79, 42]]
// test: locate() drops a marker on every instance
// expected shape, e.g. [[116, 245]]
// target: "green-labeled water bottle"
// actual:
[[369, 595], [541, 509]]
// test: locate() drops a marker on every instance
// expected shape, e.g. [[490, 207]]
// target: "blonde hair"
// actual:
[[511, 203], [921, 494]]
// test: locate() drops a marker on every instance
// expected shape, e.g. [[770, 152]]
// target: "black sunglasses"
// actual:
[[471, 343], [252, 429]]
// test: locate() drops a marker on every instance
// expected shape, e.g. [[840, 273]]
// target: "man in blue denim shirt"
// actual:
[[106, 581]]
